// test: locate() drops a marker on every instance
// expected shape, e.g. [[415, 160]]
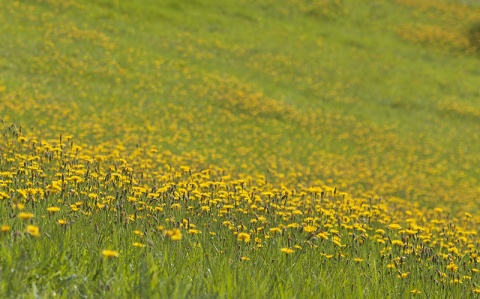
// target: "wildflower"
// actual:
[[337, 242], [309, 229], [53, 209], [397, 242], [5, 228], [391, 266], [452, 267], [394, 226], [244, 258], [174, 234], [276, 230], [411, 231], [19, 206], [110, 253], [33, 230], [358, 260], [194, 231], [137, 244], [287, 250], [403, 275], [62, 221], [415, 292], [26, 216], [243, 237]]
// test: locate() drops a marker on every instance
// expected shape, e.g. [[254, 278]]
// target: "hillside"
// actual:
[[354, 102]]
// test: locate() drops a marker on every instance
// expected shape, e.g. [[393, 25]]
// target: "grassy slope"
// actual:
[[344, 60], [391, 115]]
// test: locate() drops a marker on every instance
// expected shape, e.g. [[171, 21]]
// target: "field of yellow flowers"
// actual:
[[233, 149]]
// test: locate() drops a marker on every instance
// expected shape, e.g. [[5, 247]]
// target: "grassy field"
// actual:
[[235, 149]]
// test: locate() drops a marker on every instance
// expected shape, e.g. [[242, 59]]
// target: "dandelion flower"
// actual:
[[110, 253], [415, 292], [243, 237], [452, 267], [62, 221], [33, 230], [5, 228], [53, 209], [287, 250], [174, 234], [137, 244], [309, 229], [394, 226], [26, 216]]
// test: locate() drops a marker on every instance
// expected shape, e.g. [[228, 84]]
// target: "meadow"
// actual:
[[235, 149]]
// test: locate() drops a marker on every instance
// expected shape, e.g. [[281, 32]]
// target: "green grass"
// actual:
[[377, 98]]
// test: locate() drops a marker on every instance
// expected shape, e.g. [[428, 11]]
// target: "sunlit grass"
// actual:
[[261, 149]]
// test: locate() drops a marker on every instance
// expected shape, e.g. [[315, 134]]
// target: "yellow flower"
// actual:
[[19, 206], [276, 230], [194, 231], [243, 237], [33, 230], [110, 253], [174, 234], [415, 292], [244, 258], [394, 226], [5, 228], [62, 221], [26, 216], [53, 209], [137, 244], [358, 260], [287, 250], [309, 229], [411, 231], [452, 267], [397, 242]]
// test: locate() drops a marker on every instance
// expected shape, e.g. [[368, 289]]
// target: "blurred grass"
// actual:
[[377, 100]]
